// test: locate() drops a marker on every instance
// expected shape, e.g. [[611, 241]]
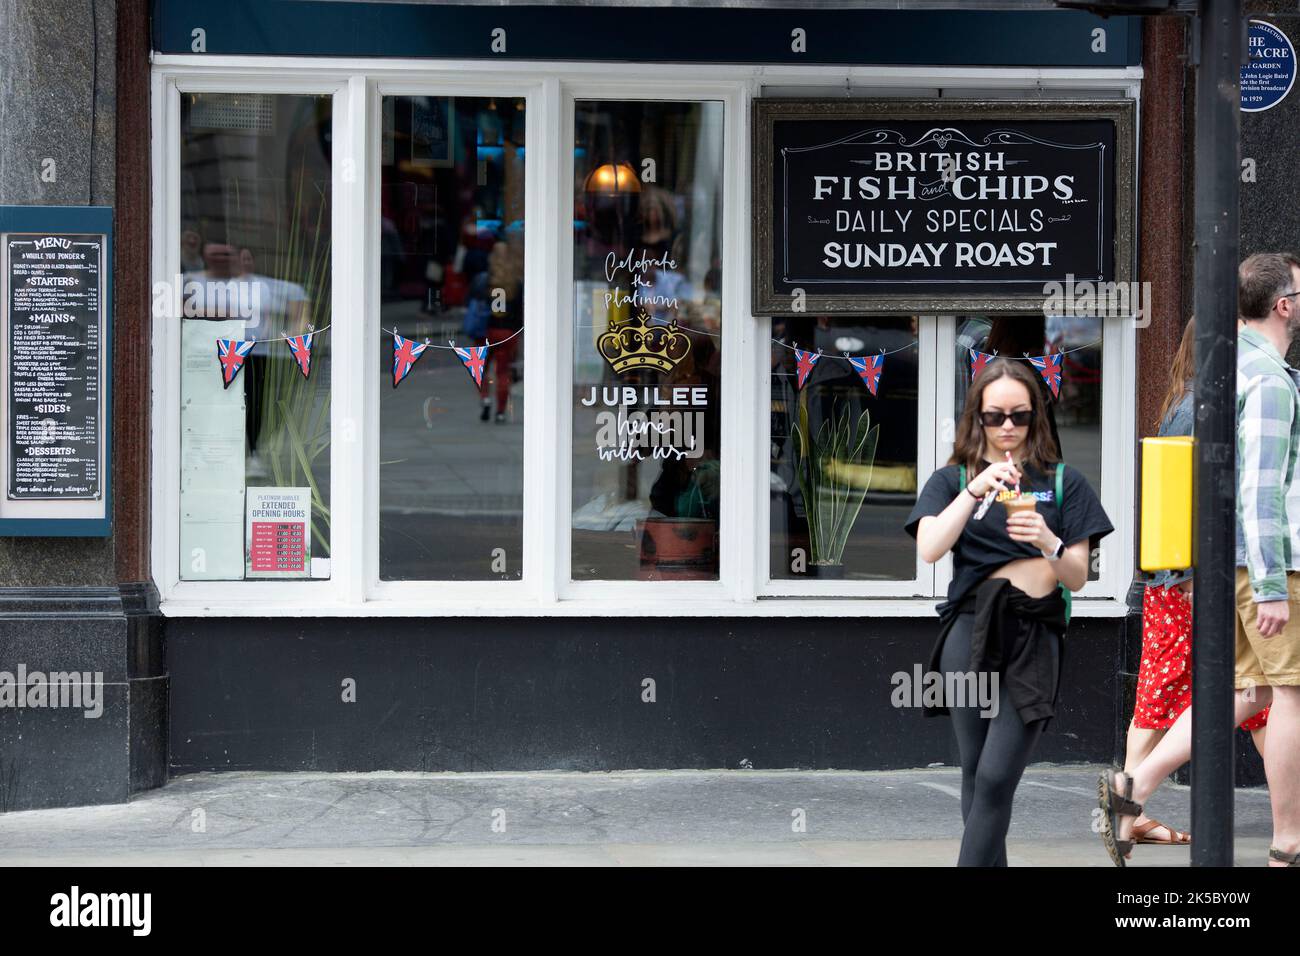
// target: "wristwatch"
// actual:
[[1056, 555]]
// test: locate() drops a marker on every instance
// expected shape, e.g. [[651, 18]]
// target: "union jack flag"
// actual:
[[475, 360], [868, 368], [977, 362], [405, 352], [300, 346], [806, 362], [231, 354], [1049, 366]]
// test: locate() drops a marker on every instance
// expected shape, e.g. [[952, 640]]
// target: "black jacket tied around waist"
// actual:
[[1010, 636]]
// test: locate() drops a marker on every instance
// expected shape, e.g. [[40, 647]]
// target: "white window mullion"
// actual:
[[547, 215], [166, 338], [757, 354], [369, 372], [930, 432], [353, 443], [942, 421], [740, 404], [562, 505], [1118, 432], [755, 351]]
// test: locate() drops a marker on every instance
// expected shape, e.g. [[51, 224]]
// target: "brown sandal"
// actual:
[[1113, 806], [1290, 859], [1177, 837]]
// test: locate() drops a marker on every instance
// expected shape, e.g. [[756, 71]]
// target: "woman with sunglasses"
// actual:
[[1007, 607]]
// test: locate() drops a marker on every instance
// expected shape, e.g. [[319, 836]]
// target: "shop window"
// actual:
[[647, 340], [451, 388], [255, 343], [1074, 409], [641, 479], [843, 447]]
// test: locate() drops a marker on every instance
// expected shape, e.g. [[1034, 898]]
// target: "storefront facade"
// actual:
[[353, 541]]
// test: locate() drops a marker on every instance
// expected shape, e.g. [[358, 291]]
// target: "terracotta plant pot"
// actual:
[[678, 548]]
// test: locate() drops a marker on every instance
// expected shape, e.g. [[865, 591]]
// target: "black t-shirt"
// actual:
[[985, 546]]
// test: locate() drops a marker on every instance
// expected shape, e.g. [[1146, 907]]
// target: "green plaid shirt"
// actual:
[[1268, 438]]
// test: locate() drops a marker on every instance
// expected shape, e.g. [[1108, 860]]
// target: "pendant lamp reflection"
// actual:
[[612, 179]]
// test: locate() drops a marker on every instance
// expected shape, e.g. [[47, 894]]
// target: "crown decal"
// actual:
[[636, 344]]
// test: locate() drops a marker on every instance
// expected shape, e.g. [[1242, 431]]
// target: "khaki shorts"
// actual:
[[1275, 660]]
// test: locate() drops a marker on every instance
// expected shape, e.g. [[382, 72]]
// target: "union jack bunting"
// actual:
[[868, 368], [475, 360], [806, 362], [300, 346], [977, 362], [1049, 366], [231, 354], [405, 352]]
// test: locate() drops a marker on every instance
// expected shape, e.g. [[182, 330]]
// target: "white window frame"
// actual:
[[921, 584], [546, 588]]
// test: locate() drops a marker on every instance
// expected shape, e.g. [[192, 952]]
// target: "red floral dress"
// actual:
[[1164, 685]]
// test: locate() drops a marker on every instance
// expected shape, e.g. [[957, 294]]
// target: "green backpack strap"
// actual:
[[1060, 507], [961, 478]]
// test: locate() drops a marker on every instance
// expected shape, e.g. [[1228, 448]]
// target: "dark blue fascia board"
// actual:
[[1046, 38], [73, 219], [56, 527]]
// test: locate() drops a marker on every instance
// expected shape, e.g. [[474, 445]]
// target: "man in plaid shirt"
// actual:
[[1268, 632], [1268, 440]]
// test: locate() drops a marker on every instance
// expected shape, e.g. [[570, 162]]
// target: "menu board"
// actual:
[[933, 206], [55, 299]]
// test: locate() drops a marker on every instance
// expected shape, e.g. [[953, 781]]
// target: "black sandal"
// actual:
[[1113, 806], [1290, 859]]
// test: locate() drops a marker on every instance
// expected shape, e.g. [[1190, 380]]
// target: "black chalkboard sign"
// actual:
[[56, 291], [932, 206]]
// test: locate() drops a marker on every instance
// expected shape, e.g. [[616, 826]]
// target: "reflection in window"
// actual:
[[647, 254], [840, 494], [1074, 414], [255, 257], [452, 267]]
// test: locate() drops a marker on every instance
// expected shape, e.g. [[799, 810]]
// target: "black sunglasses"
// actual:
[[995, 419]]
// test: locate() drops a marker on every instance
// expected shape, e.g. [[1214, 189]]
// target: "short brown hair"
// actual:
[[1261, 279]]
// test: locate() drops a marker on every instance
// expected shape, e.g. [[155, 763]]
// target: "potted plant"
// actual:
[[296, 409], [834, 471], [684, 545]]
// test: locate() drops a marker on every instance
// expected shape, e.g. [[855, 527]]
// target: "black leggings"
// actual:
[[994, 752]]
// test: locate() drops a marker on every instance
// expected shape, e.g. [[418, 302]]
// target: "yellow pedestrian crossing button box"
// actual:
[[1166, 503]]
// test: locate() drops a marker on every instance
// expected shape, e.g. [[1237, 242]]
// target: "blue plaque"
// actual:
[[1269, 74]]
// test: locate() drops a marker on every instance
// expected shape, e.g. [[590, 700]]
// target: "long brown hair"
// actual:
[[968, 448], [1184, 370]]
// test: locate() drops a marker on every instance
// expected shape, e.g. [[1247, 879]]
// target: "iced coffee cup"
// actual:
[[1020, 504]]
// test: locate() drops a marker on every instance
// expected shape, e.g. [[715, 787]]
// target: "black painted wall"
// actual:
[[565, 694]]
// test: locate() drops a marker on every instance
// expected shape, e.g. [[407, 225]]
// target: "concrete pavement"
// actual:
[[723, 817]]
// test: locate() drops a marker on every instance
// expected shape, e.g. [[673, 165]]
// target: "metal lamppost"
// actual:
[[1218, 169]]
